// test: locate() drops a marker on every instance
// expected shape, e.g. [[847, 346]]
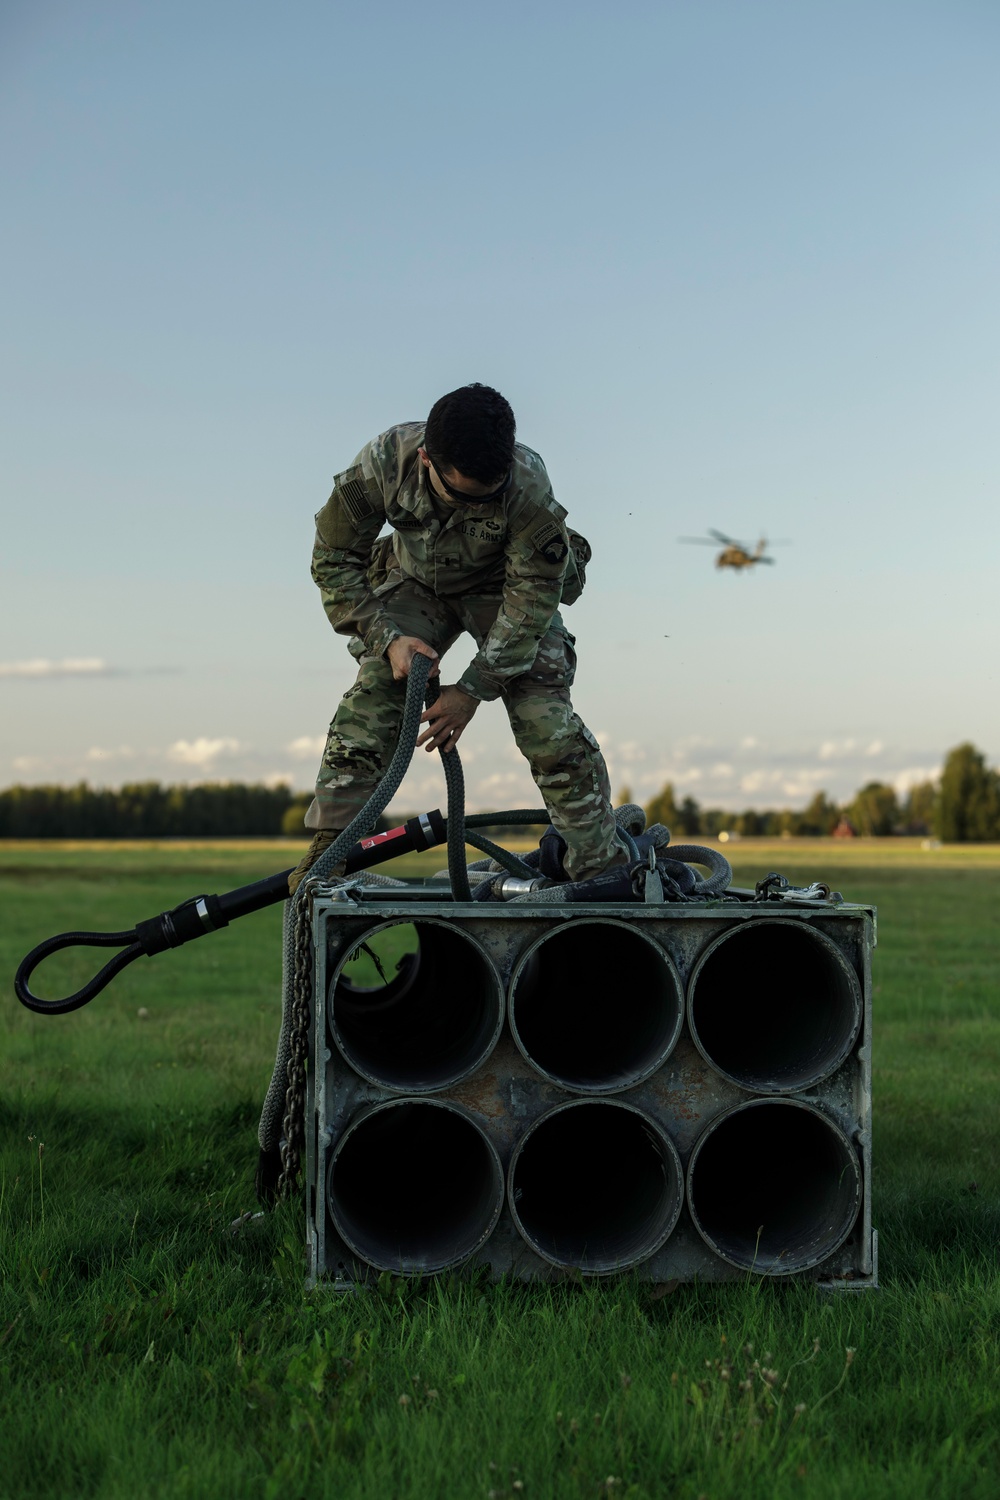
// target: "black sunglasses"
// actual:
[[472, 499]]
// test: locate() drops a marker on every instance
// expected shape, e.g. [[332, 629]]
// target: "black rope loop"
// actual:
[[93, 987]]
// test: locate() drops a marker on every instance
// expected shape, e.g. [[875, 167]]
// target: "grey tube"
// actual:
[[595, 1185], [774, 1005], [596, 1005], [414, 1186], [436, 1018], [774, 1186]]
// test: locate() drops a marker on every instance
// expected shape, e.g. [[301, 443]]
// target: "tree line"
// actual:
[[963, 806], [143, 810]]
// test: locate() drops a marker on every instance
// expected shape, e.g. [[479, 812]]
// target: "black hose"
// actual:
[[203, 914], [295, 969], [93, 986], [501, 856], [364, 821], [455, 782], [517, 817]]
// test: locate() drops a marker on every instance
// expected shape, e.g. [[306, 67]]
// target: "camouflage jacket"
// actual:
[[517, 548]]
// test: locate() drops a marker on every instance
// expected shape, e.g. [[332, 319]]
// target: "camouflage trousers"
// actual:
[[565, 758]]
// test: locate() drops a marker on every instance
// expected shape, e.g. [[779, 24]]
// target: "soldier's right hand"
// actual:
[[402, 651]]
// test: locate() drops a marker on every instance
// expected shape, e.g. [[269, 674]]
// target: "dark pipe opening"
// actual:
[[429, 1018], [774, 1187], [414, 1187], [774, 1005], [596, 1186], [596, 1005]]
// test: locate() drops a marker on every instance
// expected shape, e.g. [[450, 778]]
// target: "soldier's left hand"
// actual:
[[447, 717]]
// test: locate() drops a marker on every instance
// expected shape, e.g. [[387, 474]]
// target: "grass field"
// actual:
[[145, 1351]]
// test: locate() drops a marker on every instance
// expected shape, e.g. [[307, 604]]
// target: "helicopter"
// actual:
[[734, 554]]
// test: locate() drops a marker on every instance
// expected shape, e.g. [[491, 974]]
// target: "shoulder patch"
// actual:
[[550, 541], [351, 511], [542, 535], [350, 489]]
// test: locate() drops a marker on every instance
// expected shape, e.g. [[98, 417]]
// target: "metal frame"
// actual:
[[505, 1095]]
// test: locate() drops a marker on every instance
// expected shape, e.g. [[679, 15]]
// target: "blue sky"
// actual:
[[733, 265]]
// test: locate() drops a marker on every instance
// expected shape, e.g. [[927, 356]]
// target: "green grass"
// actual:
[[145, 1351]]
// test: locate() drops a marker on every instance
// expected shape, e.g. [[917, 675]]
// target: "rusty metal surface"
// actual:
[[505, 1095]]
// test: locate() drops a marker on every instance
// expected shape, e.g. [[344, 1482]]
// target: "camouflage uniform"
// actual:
[[498, 571]]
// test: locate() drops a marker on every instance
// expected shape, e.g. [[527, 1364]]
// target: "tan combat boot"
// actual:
[[320, 841]]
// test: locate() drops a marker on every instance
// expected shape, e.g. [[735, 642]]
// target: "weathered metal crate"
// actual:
[[548, 1091]]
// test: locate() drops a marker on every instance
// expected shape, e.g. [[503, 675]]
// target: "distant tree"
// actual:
[[918, 809], [968, 806], [141, 810], [689, 818], [291, 822], [663, 808], [788, 822], [624, 796], [750, 824], [712, 820], [875, 810], [818, 818]]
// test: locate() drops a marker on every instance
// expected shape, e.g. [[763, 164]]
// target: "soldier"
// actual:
[[478, 543]]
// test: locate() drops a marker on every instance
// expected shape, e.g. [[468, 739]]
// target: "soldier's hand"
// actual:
[[402, 651], [447, 717]]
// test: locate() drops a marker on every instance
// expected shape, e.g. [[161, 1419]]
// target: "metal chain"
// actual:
[[293, 1134], [293, 1130], [775, 887]]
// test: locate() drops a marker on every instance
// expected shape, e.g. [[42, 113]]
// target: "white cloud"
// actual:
[[913, 776], [803, 785], [307, 746], [26, 762], [875, 748], [756, 781], [70, 666], [97, 753], [499, 780], [687, 778], [629, 751], [202, 752], [692, 743], [277, 778], [835, 749], [501, 790]]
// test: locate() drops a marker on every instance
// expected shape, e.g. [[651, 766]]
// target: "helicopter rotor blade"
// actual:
[[726, 540]]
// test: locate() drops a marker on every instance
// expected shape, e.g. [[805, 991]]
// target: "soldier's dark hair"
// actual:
[[472, 430]]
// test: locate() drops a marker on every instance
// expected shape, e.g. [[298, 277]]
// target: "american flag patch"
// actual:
[[351, 492]]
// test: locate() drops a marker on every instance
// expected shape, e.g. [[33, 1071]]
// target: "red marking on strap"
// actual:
[[381, 838]]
